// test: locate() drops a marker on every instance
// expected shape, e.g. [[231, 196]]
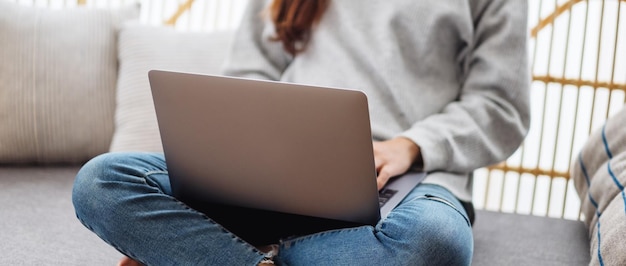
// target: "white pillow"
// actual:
[[57, 82], [143, 48]]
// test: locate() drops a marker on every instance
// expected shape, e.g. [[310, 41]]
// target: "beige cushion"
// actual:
[[58, 71], [143, 48]]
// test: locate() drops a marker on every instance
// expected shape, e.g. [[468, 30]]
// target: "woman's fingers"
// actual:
[[393, 157]]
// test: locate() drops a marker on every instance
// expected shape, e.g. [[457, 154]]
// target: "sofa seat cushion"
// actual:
[[514, 239], [36, 205], [38, 220]]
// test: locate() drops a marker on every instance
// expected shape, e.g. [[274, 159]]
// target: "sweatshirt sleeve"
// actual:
[[252, 53], [491, 116]]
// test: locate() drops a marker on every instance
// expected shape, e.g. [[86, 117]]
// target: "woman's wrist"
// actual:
[[414, 152]]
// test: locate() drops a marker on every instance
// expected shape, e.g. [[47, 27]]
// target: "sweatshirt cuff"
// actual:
[[435, 151]]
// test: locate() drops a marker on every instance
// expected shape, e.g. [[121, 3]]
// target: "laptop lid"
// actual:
[[286, 148]]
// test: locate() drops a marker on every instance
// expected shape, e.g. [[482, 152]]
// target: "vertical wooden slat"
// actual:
[[205, 11], [559, 113], [611, 92], [518, 192], [229, 9], [577, 94], [595, 88], [164, 13], [218, 6], [542, 128], [580, 74], [189, 17], [558, 117]]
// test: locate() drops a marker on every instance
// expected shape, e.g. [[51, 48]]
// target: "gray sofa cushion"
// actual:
[[40, 228], [38, 223], [513, 239]]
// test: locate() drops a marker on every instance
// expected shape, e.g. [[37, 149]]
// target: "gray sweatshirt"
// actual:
[[450, 75]]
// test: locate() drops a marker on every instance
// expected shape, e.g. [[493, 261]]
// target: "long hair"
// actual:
[[294, 20]]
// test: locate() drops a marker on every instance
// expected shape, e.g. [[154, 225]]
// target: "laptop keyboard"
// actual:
[[384, 196]]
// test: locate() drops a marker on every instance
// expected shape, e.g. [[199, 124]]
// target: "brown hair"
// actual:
[[294, 20]]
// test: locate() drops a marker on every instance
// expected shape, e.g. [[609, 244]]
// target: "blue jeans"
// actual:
[[125, 198]]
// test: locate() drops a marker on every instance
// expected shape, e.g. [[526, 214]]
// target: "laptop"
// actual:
[[271, 160]]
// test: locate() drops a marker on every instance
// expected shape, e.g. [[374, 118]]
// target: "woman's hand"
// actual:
[[394, 157]]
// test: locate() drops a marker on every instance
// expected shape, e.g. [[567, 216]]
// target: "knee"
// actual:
[[94, 171], [87, 183], [93, 181], [114, 167], [448, 235], [433, 234]]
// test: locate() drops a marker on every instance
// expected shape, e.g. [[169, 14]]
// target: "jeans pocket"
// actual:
[[447, 202]]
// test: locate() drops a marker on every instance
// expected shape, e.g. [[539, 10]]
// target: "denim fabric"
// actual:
[[125, 198]]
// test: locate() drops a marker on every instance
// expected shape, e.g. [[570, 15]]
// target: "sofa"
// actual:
[[73, 84]]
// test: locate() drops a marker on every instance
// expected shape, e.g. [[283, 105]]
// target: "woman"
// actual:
[[447, 83]]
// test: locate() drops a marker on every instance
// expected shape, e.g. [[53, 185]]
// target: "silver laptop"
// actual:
[[290, 155]]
